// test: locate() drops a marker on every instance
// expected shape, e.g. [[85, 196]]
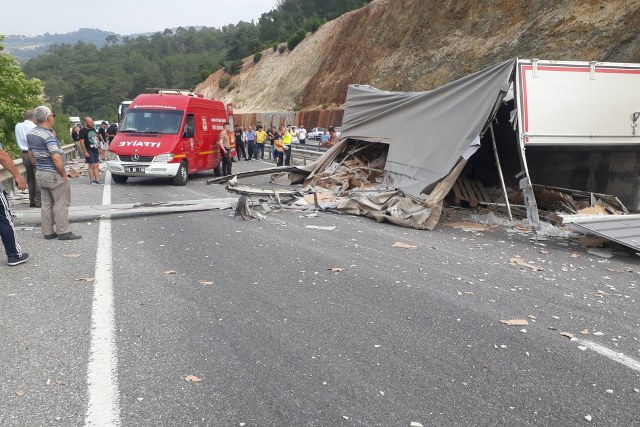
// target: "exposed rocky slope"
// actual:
[[418, 45]]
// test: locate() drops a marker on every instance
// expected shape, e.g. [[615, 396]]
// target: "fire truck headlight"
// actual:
[[112, 157], [163, 158]]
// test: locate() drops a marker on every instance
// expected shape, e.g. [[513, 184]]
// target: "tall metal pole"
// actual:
[[504, 187]]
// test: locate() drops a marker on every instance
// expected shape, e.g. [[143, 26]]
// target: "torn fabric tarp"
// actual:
[[427, 132]]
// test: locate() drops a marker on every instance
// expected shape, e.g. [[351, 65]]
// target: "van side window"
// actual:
[[189, 127]]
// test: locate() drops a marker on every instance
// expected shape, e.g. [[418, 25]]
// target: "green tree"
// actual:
[[17, 94]]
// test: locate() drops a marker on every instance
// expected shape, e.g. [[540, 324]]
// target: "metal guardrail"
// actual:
[[307, 154], [7, 179]]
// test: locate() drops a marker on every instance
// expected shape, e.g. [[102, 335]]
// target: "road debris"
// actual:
[[515, 322], [192, 379], [517, 260], [320, 227], [336, 269], [85, 279], [402, 245], [601, 252], [469, 226], [169, 272]]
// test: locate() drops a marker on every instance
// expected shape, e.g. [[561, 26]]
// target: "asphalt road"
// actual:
[[253, 310]]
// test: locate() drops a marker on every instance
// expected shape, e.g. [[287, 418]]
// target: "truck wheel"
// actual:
[[119, 179], [182, 176], [217, 171]]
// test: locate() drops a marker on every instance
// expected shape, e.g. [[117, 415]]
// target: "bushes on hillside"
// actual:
[[257, 57], [233, 67], [312, 24], [223, 82], [296, 38]]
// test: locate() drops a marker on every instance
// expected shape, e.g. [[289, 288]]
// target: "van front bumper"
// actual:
[[143, 169]]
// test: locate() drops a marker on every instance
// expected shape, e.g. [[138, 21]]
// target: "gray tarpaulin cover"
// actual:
[[427, 132]]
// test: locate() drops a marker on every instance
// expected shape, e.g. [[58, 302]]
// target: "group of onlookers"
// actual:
[[250, 143], [47, 181]]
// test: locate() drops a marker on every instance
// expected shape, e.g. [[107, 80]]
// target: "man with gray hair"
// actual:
[[46, 152], [21, 130]]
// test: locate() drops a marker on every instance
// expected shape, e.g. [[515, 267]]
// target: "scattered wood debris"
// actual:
[[515, 322], [469, 226], [402, 245], [517, 260]]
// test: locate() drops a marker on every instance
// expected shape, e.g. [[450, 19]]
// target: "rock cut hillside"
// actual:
[[414, 45]]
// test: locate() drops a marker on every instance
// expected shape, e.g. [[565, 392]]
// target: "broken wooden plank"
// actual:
[[473, 200]]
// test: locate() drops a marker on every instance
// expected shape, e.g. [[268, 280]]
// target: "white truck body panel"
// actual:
[[578, 103]]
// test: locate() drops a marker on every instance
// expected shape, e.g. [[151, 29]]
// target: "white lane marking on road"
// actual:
[[102, 379], [611, 354]]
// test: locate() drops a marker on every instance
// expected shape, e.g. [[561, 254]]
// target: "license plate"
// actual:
[[134, 169]]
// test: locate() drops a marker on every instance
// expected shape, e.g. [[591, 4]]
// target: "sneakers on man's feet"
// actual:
[[51, 236], [69, 236], [94, 183], [18, 259]]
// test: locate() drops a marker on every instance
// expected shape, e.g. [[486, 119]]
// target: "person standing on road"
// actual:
[[21, 130], [239, 136], [302, 134], [333, 136], [90, 142], [270, 132], [74, 133], [75, 136], [112, 131], [102, 134], [225, 149], [324, 139], [46, 152], [287, 139], [278, 147], [261, 138], [15, 255], [251, 143]]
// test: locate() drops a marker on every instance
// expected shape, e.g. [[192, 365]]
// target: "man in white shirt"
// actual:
[[302, 134], [21, 138]]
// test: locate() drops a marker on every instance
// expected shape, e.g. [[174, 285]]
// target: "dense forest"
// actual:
[[82, 79]]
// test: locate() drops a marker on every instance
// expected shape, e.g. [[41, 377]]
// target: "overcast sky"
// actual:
[[124, 17]]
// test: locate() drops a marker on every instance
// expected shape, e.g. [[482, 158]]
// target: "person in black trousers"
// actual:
[[15, 255], [239, 135]]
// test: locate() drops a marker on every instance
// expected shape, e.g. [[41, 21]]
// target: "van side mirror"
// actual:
[[189, 132]]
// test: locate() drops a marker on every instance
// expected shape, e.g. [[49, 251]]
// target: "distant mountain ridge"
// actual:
[[24, 48]]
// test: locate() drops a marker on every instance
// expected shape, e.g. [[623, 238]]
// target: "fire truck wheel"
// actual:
[[119, 179], [182, 176]]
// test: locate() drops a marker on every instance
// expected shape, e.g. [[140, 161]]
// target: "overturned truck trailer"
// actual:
[[515, 124]]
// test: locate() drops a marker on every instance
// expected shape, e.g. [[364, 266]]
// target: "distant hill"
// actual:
[[24, 48]]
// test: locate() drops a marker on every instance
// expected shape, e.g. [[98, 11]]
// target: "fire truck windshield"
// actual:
[[152, 121]]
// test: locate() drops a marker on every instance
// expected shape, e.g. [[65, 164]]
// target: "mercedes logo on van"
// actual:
[[135, 158]]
